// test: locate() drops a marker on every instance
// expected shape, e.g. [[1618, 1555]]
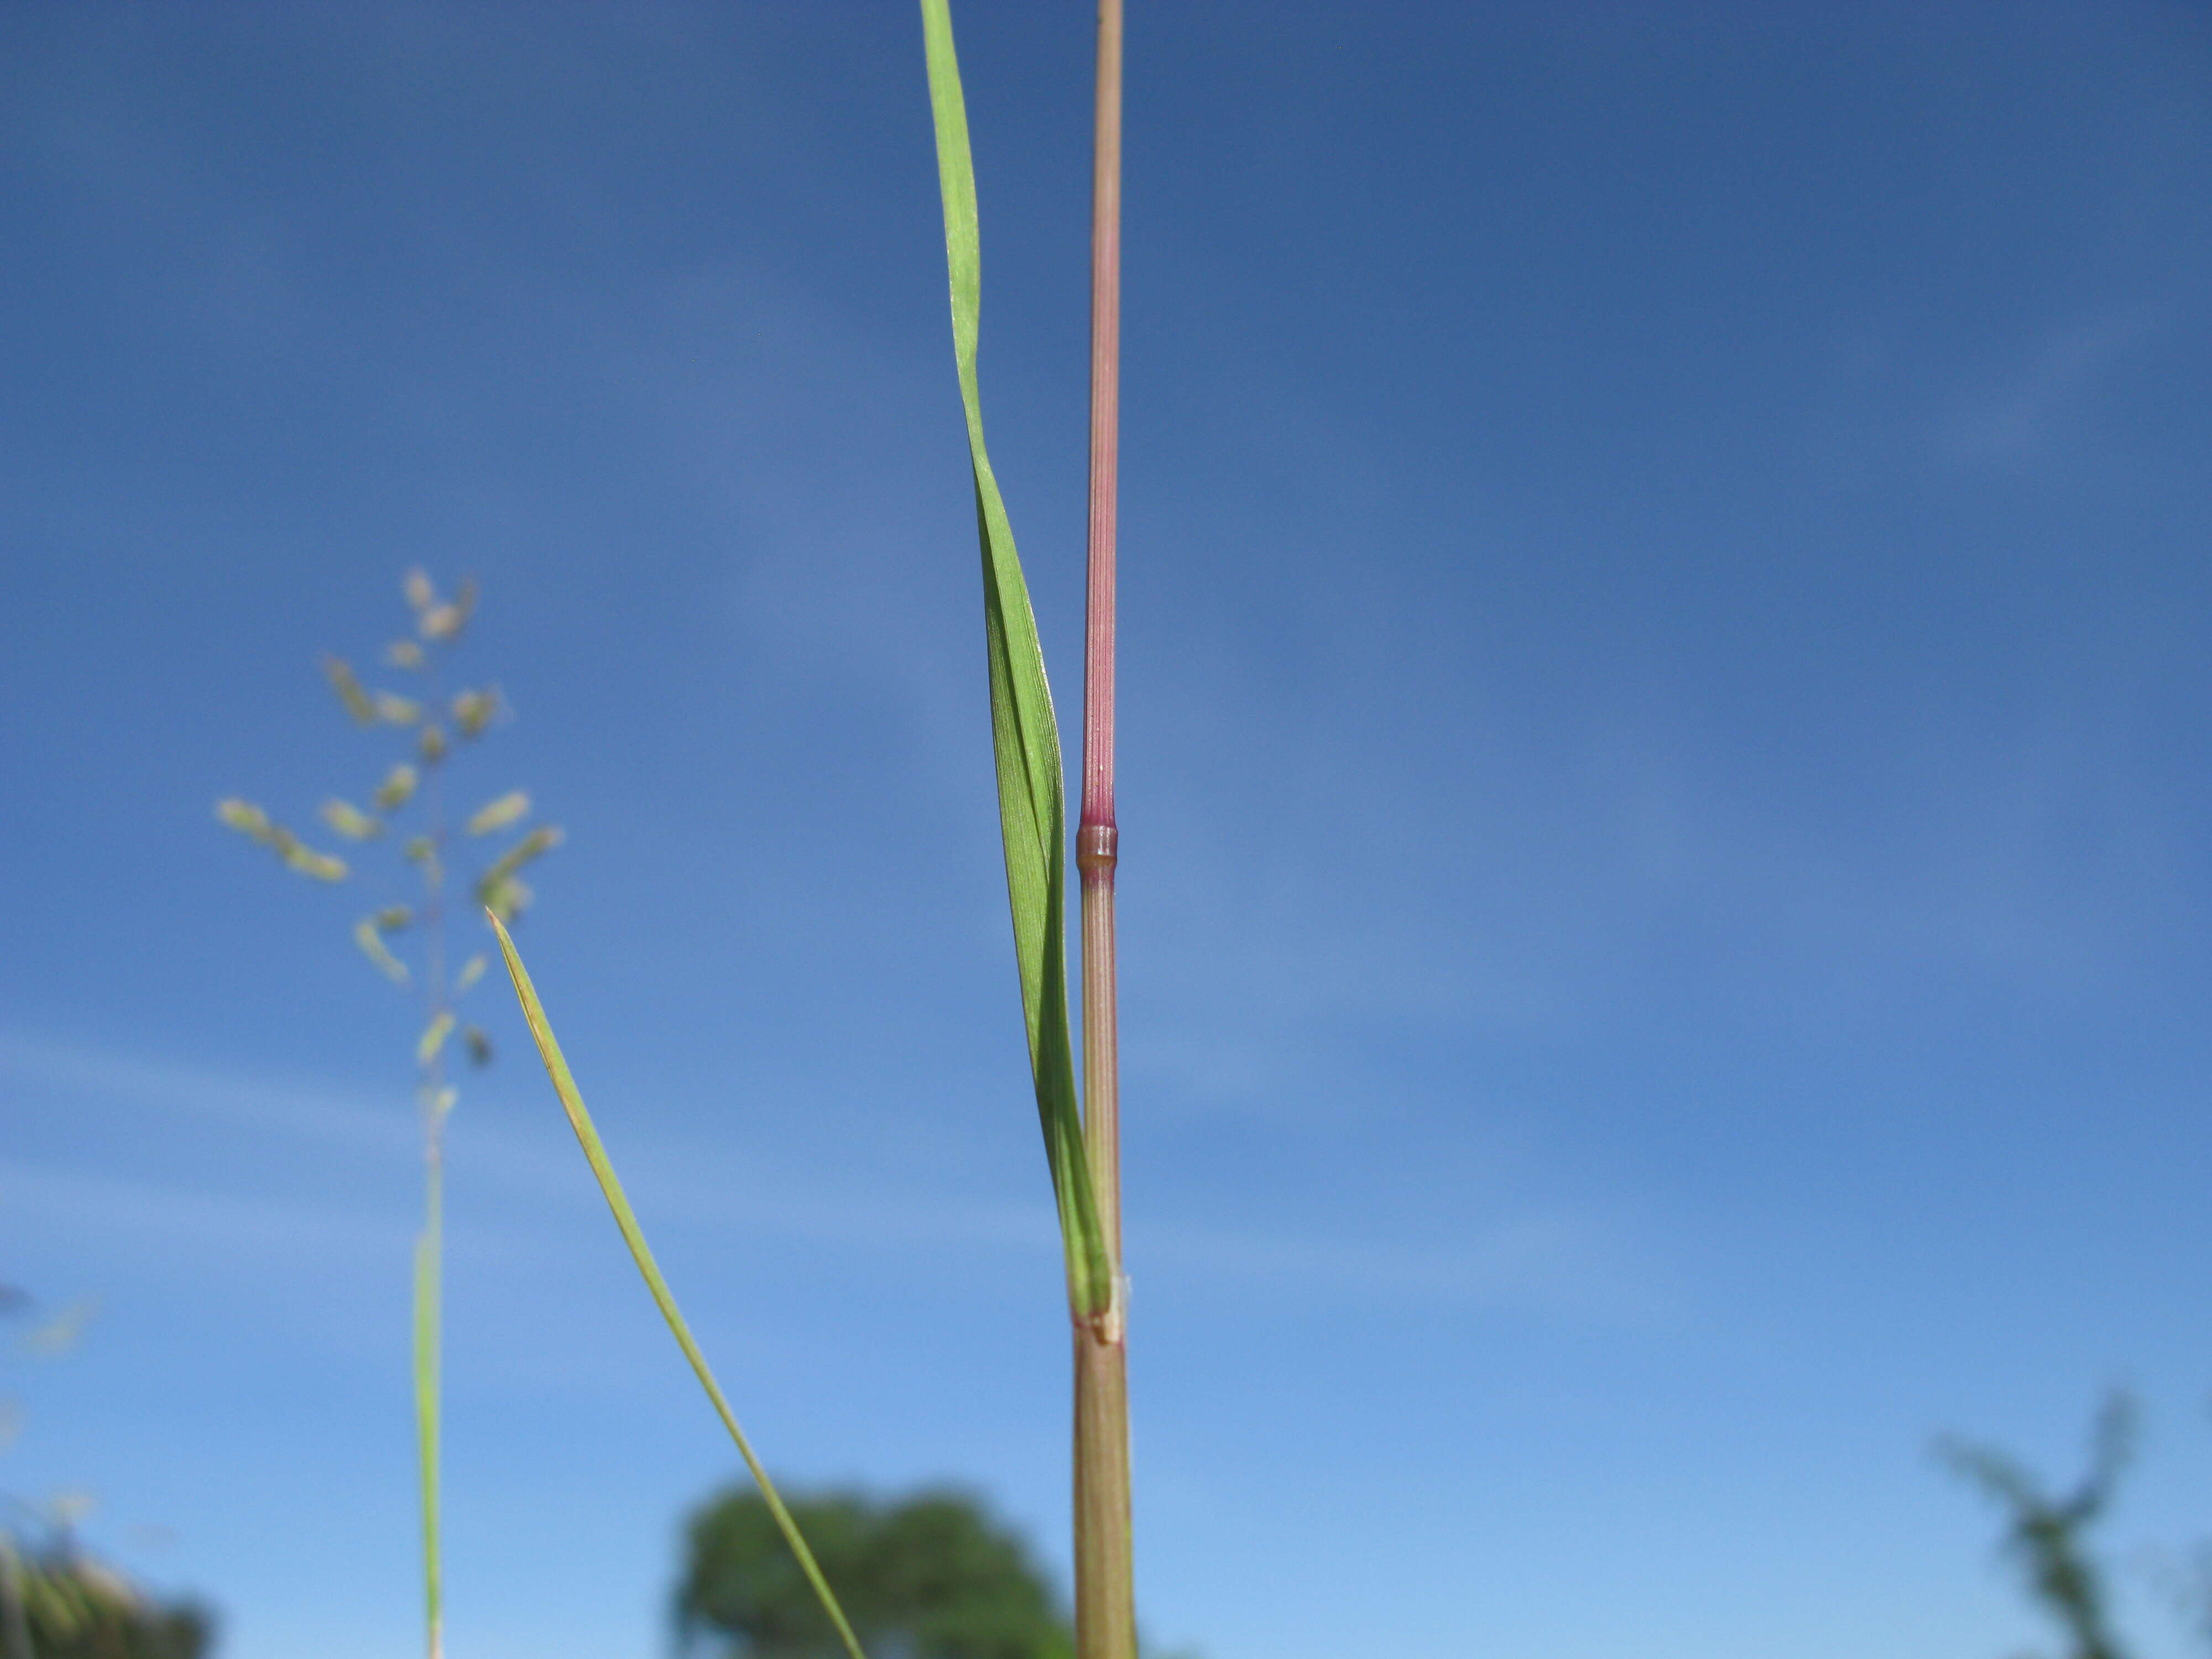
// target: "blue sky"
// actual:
[[1667, 915]]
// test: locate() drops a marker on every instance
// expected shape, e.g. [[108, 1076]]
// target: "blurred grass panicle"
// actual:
[[406, 818]]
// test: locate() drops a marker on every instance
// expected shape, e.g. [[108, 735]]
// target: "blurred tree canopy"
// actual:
[[932, 1577]]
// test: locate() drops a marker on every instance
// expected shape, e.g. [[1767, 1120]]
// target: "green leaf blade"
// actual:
[[1025, 732], [610, 1188]]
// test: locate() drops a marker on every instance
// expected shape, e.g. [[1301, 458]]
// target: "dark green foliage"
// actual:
[[74, 1608], [2048, 1536], [935, 1576]]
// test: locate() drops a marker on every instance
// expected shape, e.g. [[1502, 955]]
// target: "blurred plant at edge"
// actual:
[[57, 1600], [2048, 1536]]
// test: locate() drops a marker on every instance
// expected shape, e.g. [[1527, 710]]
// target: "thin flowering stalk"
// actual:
[[431, 1243], [1105, 1597], [412, 794]]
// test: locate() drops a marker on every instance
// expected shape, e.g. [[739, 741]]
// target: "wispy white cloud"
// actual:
[[2016, 419], [295, 1109], [1580, 1263], [153, 1218]]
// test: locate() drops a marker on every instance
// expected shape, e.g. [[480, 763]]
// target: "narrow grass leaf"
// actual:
[[587, 1136], [1024, 735]]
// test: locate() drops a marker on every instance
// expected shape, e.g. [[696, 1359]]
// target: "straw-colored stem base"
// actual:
[[1105, 1598]]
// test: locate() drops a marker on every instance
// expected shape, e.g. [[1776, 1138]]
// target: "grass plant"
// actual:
[[1081, 1131], [1082, 1136], [408, 809]]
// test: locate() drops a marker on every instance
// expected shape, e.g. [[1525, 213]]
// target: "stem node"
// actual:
[[1098, 849]]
